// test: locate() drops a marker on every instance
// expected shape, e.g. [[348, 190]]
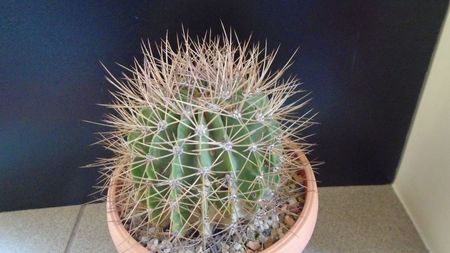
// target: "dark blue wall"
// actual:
[[364, 61]]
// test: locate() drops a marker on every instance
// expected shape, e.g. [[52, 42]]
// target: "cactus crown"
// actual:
[[199, 134]]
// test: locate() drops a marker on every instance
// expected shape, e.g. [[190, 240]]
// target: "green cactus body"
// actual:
[[205, 167], [201, 136]]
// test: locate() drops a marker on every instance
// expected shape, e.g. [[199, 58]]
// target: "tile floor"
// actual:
[[351, 219]]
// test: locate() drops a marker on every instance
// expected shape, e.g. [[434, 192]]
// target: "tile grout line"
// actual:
[[74, 229]]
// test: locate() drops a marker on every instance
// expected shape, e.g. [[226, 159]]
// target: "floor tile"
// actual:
[[363, 219], [39, 230], [91, 233]]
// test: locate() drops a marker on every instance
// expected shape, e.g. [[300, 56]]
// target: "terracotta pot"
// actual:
[[294, 241]]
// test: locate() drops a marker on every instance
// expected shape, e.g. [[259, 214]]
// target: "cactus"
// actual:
[[204, 167], [199, 137]]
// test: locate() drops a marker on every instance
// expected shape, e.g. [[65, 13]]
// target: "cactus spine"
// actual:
[[199, 135]]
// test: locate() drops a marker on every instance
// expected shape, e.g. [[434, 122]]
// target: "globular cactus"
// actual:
[[205, 166], [199, 137]]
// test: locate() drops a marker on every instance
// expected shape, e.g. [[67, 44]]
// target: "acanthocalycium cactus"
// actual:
[[199, 136]]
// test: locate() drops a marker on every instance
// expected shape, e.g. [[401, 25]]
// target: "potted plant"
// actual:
[[208, 152]]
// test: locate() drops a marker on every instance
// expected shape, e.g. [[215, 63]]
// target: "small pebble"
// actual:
[[225, 246], [145, 239], [152, 248], [280, 232], [294, 208], [292, 201], [282, 215], [275, 225], [237, 246], [262, 238], [253, 245], [268, 243], [289, 221], [276, 218]]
